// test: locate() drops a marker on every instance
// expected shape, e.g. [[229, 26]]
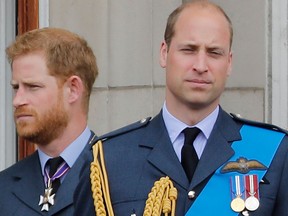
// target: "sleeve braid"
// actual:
[[99, 182], [161, 199]]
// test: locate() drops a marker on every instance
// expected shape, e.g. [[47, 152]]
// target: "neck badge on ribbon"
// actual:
[[47, 199]]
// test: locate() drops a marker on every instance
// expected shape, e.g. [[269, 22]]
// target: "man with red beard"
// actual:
[[53, 71]]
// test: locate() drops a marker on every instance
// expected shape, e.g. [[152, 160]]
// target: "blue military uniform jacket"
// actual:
[[138, 155], [22, 184]]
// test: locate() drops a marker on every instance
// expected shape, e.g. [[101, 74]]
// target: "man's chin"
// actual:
[[27, 134]]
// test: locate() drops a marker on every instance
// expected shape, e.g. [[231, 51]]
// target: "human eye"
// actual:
[[15, 87], [188, 50], [215, 53], [33, 86]]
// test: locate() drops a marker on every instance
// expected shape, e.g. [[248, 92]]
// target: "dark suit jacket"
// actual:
[[22, 184], [138, 155]]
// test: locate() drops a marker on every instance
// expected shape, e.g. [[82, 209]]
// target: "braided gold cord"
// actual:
[[96, 190], [99, 182], [161, 199]]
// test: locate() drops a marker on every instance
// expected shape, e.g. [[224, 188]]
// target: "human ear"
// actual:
[[163, 54], [229, 70], [75, 88]]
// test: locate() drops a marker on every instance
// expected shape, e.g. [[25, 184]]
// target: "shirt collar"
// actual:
[[71, 153], [175, 126]]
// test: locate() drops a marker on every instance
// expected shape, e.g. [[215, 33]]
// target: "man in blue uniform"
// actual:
[[53, 71], [226, 166]]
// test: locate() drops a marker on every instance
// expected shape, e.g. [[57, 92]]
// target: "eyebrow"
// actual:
[[13, 83], [24, 82]]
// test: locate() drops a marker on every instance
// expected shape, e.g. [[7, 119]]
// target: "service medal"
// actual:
[[237, 193], [252, 203], [238, 204], [251, 183]]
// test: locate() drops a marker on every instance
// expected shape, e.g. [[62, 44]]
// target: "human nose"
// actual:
[[200, 63], [19, 98]]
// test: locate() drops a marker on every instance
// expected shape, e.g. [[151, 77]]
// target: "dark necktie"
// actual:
[[189, 158], [54, 164]]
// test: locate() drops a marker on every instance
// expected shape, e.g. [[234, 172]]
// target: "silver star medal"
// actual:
[[47, 199]]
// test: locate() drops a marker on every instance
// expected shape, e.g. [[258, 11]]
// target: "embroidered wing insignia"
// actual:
[[242, 165]]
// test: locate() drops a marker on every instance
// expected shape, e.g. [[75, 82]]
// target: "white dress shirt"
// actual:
[[175, 127]]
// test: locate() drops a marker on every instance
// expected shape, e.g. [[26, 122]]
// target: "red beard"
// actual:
[[41, 128]]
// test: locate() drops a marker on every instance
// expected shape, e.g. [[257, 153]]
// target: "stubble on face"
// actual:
[[197, 63], [46, 127]]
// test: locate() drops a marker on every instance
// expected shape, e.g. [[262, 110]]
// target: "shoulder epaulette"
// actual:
[[237, 117], [136, 125]]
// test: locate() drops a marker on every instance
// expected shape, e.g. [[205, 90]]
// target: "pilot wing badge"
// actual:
[[242, 165]]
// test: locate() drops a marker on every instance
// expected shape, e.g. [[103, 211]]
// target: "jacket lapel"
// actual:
[[162, 155], [217, 151], [218, 148], [29, 183], [67, 188]]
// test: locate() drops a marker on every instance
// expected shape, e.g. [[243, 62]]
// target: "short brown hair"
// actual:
[[173, 17], [66, 54]]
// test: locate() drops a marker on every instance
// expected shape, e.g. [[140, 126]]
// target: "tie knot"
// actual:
[[54, 164], [190, 134]]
